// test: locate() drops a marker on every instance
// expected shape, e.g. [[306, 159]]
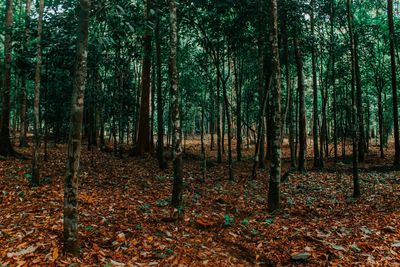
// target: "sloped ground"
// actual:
[[125, 217]]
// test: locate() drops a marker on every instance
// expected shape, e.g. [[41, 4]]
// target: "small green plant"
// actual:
[[89, 228], [245, 222], [145, 208], [269, 221], [228, 220], [138, 227], [162, 202], [161, 178], [21, 194]]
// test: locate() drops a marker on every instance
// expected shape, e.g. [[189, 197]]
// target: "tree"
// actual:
[[317, 160], [354, 116], [23, 116], [175, 112], [394, 84], [36, 110], [160, 125], [71, 182], [276, 139], [144, 144], [302, 106], [6, 148]]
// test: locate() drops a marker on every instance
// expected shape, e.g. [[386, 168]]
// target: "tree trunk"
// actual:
[[260, 79], [302, 107], [317, 160], [23, 116], [335, 124], [394, 84], [160, 122], [144, 144], [176, 120], [71, 242], [276, 139], [36, 104], [6, 148], [360, 112], [354, 116], [228, 121], [289, 108]]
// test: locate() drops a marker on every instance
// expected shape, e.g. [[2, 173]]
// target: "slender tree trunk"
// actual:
[[144, 144], [276, 138], [176, 120], [335, 124], [360, 112], [394, 84], [302, 107], [354, 116], [289, 109], [71, 241], [6, 148], [380, 121], [36, 105], [160, 122], [317, 160], [23, 116], [228, 121], [203, 148], [238, 85], [260, 79], [219, 142]]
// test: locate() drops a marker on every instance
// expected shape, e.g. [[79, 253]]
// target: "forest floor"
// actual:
[[125, 218]]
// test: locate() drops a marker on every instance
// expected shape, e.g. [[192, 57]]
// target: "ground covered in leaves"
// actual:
[[125, 218]]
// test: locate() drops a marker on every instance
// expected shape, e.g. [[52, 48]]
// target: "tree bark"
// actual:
[[276, 139], [71, 182], [144, 144], [6, 148], [394, 84], [23, 116], [160, 122], [302, 107], [176, 120], [36, 104], [354, 116], [317, 160]]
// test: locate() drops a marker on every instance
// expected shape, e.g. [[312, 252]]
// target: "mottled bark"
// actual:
[[260, 79], [6, 148], [23, 116], [276, 139], [317, 161], [335, 124], [71, 182], [144, 144], [394, 84], [36, 101], [354, 116], [302, 107], [160, 122], [175, 112]]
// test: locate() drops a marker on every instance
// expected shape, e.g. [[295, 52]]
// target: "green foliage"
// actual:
[[228, 220]]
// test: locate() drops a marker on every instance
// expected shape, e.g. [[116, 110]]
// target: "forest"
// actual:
[[199, 133]]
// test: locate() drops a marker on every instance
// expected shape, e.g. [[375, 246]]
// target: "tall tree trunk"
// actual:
[[219, 142], [354, 116], [360, 112], [176, 120], [335, 124], [6, 148], [276, 139], [317, 160], [36, 104], [260, 78], [394, 84], [144, 144], [71, 241], [23, 116], [302, 107], [228, 121], [160, 122], [289, 109], [238, 85]]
